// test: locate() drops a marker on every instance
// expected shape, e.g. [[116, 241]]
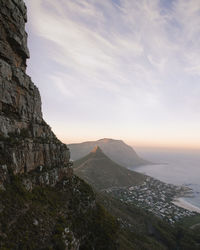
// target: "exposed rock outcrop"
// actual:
[[42, 204], [26, 141]]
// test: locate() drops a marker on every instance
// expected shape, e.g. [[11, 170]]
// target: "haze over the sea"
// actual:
[[118, 69]]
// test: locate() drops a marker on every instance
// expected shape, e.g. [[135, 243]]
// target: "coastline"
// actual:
[[180, 202]]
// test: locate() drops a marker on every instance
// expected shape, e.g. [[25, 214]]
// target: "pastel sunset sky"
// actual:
[[122, 69]]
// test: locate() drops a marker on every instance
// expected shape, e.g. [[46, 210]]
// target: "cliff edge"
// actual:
[[26, 141], [42, 204]]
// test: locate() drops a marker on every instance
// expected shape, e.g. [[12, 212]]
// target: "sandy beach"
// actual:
[[180, 202]]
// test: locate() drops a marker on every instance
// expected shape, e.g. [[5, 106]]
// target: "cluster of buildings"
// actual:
[[156, 197]]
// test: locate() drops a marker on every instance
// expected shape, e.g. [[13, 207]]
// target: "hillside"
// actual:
[[143, 230], [101, 172], [116, 150], [139, 229]]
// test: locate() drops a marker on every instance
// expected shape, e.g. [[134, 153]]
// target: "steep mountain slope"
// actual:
[[139, 229], [116, 150], [101, 172], [42, 204]]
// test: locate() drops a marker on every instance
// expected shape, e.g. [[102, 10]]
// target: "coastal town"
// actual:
[[156, 197]]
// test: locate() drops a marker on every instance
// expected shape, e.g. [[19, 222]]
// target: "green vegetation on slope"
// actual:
[[50, 217], [142, 230], [190, 222]]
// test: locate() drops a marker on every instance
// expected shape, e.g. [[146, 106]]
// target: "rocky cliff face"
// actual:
[[42, 204], [27, 142]]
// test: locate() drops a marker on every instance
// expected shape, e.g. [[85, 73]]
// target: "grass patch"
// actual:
[[189, 221]]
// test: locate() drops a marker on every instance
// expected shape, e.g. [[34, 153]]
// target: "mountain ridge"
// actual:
[[116, 150], [101, 172]]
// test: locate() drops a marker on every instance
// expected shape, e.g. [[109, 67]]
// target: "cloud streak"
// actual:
[[141, 53]]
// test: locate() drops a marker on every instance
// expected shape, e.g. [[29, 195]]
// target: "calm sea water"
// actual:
[[179, 167]]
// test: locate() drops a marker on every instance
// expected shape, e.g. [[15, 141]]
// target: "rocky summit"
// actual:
[[42, 204]]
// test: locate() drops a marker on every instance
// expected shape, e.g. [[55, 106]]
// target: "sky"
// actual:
[[118, 69]]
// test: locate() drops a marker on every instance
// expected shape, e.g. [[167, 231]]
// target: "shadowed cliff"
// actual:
[[42, 204]]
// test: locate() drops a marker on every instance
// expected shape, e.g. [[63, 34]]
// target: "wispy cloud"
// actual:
[[143, 53]]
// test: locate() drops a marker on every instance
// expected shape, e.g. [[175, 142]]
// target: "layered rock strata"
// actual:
[[42, 204], [26, 141]]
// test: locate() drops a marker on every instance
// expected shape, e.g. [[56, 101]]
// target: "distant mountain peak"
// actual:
[[97, 150], [107, 140], [116, 150], [101, 172]]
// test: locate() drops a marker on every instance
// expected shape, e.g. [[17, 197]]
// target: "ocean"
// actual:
[[179, 167]]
